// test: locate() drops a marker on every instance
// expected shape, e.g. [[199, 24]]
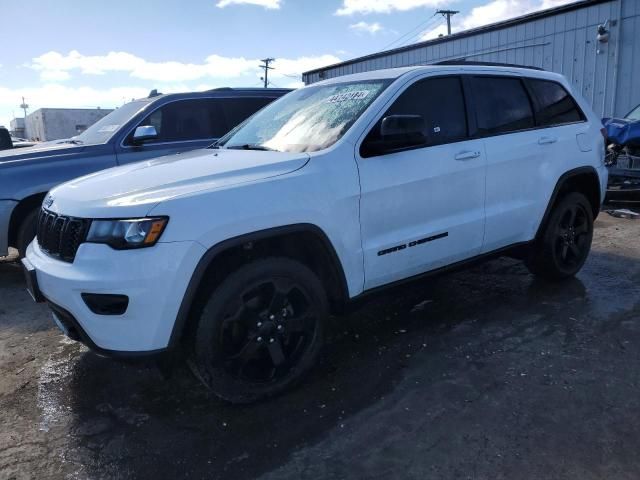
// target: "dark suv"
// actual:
[[142, 129]]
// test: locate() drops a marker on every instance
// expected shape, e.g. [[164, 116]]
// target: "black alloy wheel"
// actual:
[[267, 329], [260, 330], [573, 236], [565, 242]]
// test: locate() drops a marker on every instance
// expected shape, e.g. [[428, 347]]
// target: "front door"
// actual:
[[422, 207]]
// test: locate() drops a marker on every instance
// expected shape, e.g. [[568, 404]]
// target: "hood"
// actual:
[[133, 190], [40, 151], [623, 131]]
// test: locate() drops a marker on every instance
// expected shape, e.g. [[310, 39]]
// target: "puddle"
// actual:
[[55, 370]]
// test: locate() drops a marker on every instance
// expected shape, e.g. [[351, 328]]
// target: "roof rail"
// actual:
[[247, 89], [462, 61]]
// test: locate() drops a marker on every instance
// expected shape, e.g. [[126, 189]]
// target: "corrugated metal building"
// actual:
[[563, 39]]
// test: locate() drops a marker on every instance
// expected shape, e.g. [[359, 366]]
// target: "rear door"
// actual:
[[515, 165], [525, 155], [422, 207]]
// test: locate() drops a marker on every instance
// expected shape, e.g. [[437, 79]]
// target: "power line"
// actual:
[[409, 32], [418, 36], [266, 67]]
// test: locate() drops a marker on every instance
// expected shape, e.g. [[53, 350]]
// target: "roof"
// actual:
[[225, 92], [466, 33]]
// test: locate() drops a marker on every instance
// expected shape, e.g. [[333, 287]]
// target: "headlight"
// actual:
[[125, 234]]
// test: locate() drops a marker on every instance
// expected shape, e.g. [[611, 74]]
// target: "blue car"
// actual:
[[623, 154], [139, 130]]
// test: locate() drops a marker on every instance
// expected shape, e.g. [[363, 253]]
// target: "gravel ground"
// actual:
[[483, 374]]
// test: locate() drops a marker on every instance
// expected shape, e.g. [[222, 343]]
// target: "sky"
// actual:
[[85, 54]]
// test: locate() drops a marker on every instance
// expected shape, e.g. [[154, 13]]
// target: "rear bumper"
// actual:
[[6, 208]]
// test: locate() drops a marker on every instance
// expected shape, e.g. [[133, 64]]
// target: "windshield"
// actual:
[[634, 114], [306, 120], [106, 127]]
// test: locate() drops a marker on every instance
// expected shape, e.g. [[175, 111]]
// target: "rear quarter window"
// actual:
[[554, 105]]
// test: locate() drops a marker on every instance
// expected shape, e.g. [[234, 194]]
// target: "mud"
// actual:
[[484, 374]]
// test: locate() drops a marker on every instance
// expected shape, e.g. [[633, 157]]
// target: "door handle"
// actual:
[[467, 155], [547, 140]]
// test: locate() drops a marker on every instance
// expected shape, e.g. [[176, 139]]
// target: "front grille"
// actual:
[[60, 236]]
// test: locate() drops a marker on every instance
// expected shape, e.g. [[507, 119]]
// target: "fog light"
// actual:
[[106, 304]]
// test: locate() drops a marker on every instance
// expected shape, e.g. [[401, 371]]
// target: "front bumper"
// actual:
[[6, 208], [154, 279]]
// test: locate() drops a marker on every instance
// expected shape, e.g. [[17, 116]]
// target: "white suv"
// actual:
[[238, 253]]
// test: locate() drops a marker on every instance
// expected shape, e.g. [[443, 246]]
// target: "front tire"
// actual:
[[26, 232], [260, 331], [566, 240]]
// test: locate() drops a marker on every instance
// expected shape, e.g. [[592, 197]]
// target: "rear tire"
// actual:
[[260, 331], [565, 243], [26, 232]]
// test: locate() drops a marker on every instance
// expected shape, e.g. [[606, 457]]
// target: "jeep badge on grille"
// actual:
[[48, 201]]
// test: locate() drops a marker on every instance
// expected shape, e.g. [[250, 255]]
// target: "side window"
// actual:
[[502, 105], [184, 120], [440, 102], [237, 110], [554, 105], [155, 120]]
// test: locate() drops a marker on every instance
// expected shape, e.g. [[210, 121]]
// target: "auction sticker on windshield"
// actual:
[[342, 97]]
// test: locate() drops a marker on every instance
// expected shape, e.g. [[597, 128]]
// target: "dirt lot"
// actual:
[[484, 374]]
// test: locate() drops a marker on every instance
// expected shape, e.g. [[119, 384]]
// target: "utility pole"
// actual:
[[24, 107], [448, 14], [265, 65]]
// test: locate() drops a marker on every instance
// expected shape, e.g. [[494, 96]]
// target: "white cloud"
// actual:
[[349, 7], [364, 27], [494, 11], [141, 76], [54, 66], [270, 4]]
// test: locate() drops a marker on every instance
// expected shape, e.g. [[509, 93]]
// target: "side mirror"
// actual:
[[144, 134], [407, 126]]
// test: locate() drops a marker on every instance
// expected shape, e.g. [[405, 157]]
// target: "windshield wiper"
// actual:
[[73, 141], [251, 146]]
